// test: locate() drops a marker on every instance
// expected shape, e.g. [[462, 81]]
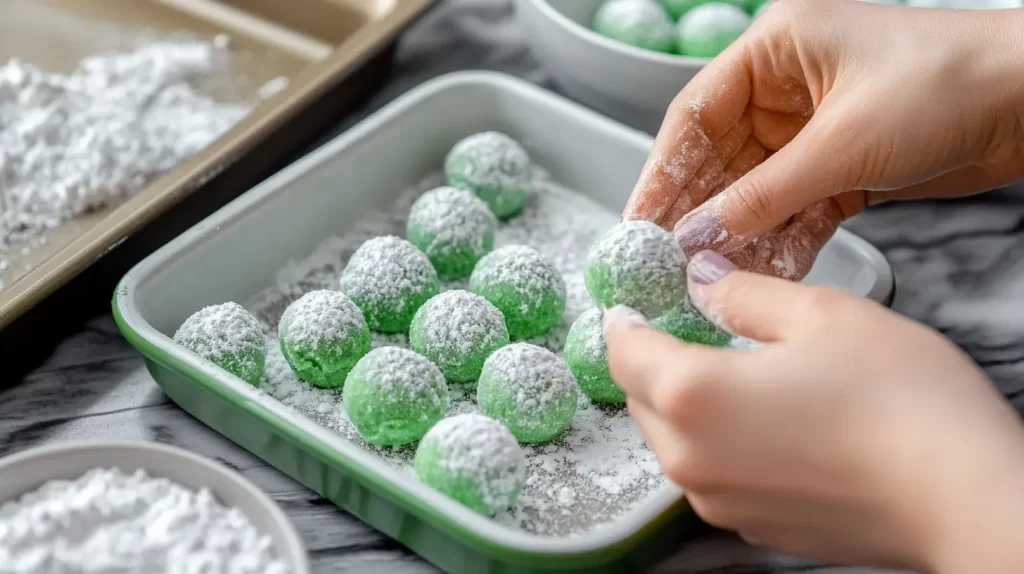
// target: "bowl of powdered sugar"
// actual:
[[106, 508]]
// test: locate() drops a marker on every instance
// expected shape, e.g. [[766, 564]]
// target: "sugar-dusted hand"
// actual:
[[854, 435], [771, 145]]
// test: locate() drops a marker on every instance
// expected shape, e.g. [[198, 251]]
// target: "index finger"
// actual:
[[706, 109]]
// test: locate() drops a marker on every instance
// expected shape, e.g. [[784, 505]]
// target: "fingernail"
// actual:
[[699, 230], [708, 267], [623, 315]]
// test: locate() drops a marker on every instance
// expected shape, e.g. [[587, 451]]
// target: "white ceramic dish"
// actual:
[[238, 251], [26, 471], [632, 85]]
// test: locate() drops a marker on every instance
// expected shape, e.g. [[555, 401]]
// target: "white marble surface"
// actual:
[[958, 267]]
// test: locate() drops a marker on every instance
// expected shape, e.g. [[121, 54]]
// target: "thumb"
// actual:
[[759, 307], [816, 164]]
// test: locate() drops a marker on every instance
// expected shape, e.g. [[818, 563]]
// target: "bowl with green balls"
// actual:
[[629, 58]]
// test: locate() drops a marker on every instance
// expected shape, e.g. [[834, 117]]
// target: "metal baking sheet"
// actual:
[[317, 44]]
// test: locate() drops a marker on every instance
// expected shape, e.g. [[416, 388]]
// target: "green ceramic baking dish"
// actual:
[[236, 252]]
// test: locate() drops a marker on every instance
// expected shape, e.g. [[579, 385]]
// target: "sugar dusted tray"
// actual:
[[294, 232], [315, 47]]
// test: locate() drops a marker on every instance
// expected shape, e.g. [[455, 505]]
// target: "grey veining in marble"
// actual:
[[959, 267]]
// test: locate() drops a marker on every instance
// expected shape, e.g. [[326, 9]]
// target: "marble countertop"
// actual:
[[959, 267]]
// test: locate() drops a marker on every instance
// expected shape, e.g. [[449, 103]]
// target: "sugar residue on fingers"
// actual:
[[669, 168]]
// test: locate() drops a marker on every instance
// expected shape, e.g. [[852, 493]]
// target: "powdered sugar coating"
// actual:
[[638, 264], [475, 460], [495, 167], [454, 228], [394, 395], [458, 330], [587, 357], [322, 335], [640, 23], [530, 389], [597, 470], [389, 279], [525, 286], [228, 336]]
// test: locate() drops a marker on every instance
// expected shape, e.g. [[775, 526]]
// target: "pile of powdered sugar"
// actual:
[[596, 471], [70, 144], [111, 522]]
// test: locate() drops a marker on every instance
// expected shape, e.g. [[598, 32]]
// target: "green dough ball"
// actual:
[[322, 335], [228, 336], [677, 8], [530, 389], [454, 227], [493, 166], [525, 286], [393, 396], [640, 23], [473, 459], [587, 357], [752, 6], [639, 264], [458, 330], [709, 28], [389, 279], [685, 322]]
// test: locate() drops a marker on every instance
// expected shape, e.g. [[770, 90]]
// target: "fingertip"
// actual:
[[621, 317]]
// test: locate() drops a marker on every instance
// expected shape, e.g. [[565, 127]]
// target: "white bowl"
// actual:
[[26, 471], [632, 85]]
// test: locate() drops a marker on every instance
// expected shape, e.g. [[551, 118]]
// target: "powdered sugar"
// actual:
[[456, 218], [110, 522], [494, 160], [402, 376], [458, 323], [598, 469], [321, 317], [522, 268], [642, 266], [73, 144], [221, 330], [590, 323], [481, 448], [537, 378], [387, 272]]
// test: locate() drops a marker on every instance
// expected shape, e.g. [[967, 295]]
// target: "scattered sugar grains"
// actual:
[[598, 469], [72, 144], [108, 522]]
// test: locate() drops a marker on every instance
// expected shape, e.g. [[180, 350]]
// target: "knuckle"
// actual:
[[750, 196]]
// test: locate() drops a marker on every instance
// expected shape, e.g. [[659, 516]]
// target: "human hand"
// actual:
[[825, 106], [854, 435]]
